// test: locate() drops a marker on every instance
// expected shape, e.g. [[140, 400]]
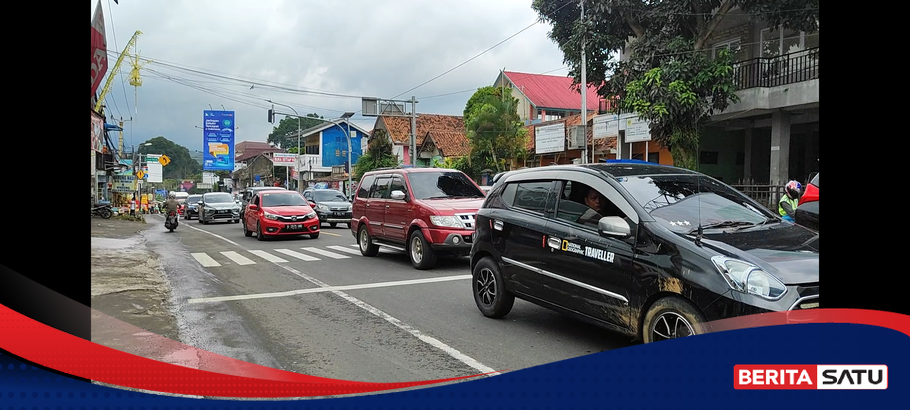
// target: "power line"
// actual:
[[126, 99]]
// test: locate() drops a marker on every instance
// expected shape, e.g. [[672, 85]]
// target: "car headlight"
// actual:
[[310, 215], [350, 207], [321, 207], [747, 278], [446, 221], [270, 216]]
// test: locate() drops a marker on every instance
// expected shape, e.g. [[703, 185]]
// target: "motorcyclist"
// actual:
[[790, 200], [171, 204]]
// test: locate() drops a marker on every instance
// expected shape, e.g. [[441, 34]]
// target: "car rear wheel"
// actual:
[[670, 318], [422, 256], [367, 247], [490, 294], [246, 232]]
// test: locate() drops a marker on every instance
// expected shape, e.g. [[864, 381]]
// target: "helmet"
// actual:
[[171, 196], [793, 189]]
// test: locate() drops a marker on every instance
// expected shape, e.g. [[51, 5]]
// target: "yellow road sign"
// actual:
[[140, 174], [164, 160]]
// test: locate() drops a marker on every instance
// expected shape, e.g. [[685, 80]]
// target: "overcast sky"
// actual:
[[237, 54]]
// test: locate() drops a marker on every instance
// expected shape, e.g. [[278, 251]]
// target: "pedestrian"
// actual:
[[133, 206], [789, 201]]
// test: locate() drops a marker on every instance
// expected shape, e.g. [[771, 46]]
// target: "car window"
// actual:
[[815, 181], [329, 195], [397, 185], [282, 199], [381, 188], [193, 199], [508, 194], [255, 200], [218, 198], [443, 184], [365, 184], [682, 202], [532, 195], [583, 205]]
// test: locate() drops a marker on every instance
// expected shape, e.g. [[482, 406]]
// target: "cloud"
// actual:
[[206, 52]]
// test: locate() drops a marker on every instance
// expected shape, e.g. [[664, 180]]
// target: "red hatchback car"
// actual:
[[276, 213]]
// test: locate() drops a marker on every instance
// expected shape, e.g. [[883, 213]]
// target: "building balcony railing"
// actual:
[[776, 71]]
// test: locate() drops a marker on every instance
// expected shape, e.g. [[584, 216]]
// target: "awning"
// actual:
[[112, 127]]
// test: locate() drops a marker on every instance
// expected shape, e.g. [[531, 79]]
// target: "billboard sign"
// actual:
[[218, 137], [122, 184], [155, 170], [283, 160], [606, 126], [637, 130], [550, 138], [97, 132], [99, 48]]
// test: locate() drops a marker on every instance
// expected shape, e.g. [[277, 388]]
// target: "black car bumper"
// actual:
[[334, 217], [454, 243]]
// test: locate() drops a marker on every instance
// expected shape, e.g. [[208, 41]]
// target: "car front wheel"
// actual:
[[422, 255], [670, 318], [490, 294]]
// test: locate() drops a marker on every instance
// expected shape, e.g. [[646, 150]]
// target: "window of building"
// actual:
[[732, 45], [707, 157]]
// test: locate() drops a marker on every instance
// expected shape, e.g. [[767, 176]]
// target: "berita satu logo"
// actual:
[[810, 377]]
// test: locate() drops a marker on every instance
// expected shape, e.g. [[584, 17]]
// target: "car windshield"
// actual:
[[329, 196], [193, 199], [683, 202], [439, 185], [283, 199], [218, 198]]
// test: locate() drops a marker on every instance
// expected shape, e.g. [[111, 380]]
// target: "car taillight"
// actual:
[[811, 194]]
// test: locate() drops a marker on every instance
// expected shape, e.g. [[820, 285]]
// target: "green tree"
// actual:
[[668, 78], [182, 165], [378, 155], [284, 135], [494, 129]]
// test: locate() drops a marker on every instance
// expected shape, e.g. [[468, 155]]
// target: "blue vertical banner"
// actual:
[[218, 140]]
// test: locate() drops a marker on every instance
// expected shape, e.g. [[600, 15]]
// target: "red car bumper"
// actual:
[[279, 228]]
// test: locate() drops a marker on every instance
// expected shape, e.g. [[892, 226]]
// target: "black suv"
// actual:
[[651, 251]]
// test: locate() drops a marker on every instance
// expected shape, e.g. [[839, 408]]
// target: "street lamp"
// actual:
[[298, 142]]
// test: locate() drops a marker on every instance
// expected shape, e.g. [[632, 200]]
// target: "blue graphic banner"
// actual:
[[218, 140]]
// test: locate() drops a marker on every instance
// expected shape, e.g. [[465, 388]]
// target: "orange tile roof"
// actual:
[[450, 143], [399, 128]]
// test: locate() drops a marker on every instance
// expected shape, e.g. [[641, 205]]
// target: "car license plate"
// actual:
[[295, 226], [339, 213]]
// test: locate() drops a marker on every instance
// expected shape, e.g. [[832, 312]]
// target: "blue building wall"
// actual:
[[335, 145]]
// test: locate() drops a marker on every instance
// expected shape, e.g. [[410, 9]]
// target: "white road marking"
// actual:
[[355, 245], [323, 252], [268, 256], [213, 234], [363, 305], [329, 233], [205, 260], [297, 255], [238, 258], [343, 249]]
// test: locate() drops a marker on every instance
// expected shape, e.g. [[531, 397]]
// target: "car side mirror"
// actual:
[[613, 226], [312, 204], [398, 195], [252, 207], [199, 203]]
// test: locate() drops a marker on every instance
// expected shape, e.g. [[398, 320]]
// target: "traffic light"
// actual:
[[271, 116]]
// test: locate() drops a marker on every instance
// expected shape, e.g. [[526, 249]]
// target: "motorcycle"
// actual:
[[171, 221], [102, 210]]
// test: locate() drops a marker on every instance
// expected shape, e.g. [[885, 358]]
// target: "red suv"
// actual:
[[425, 212]]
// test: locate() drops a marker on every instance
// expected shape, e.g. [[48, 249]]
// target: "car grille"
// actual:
[[808, 298], [467, 220], [294, 218], [339, 208]]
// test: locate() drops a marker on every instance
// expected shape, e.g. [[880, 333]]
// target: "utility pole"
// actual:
[[413, 147], [584, 92], [121, 133]]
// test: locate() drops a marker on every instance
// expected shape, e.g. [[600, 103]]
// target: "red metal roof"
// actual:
[[552, 91]]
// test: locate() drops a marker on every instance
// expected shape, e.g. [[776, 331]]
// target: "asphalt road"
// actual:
[[318, 307]]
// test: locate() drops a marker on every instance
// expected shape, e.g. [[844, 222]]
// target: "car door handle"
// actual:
[[386, 207]]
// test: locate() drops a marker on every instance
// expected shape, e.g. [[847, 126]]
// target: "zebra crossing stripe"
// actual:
[[268, 256], [205, 260], [297, 255], [324, 252], [238, 258], [343, 249]]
